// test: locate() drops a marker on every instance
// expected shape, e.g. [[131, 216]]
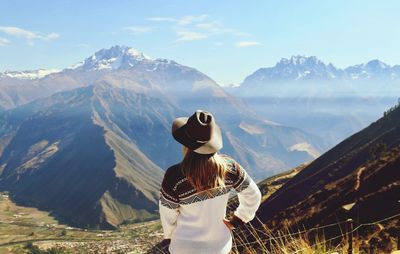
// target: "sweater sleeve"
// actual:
[[248, 193], [168, 207]]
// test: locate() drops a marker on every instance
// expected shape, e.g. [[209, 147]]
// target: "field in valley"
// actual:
[[21, 225]]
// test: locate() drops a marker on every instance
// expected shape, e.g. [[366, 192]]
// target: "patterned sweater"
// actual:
[[194, 220]]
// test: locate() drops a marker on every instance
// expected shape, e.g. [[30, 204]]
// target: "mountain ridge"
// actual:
[[311, 68], [74, 163]]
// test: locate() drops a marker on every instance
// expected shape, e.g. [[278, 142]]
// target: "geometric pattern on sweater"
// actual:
[[177, 190], [204, 195], [167, 203], [243, 184]]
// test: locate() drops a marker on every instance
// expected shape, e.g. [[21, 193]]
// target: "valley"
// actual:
[[21, 225]]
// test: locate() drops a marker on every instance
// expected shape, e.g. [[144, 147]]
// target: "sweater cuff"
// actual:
[[236, 221]]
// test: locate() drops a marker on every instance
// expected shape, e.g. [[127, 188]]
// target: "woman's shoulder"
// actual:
[[173, 174], [235, 171], [232, 164], [236, 175]]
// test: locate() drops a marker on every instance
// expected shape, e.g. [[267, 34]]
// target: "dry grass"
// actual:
[[250, 240]]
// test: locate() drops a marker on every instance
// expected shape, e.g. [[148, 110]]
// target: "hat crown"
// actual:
[[198, 132], [199, 126]]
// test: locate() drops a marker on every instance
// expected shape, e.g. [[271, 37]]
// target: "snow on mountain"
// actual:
[[372, 69], [311, 68], [295, 68], [34, 74], [116, 57]]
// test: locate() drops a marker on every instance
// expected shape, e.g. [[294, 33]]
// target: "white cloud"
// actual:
[[214, 27], [182, 21], [28, 35], [18, 32], [196, 27], [4, 42], [51, 36], [243, 44], [189, 36], [187, 20], [161, 19], [137, 29], [217, 27]]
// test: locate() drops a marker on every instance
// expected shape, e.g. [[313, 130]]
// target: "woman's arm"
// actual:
[[168, 217], [249, 198], [168, 205]]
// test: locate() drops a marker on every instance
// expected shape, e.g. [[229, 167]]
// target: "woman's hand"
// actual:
[[228, 224]]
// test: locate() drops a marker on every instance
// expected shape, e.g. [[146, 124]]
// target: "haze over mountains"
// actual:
[[90, 142], [321, 98]]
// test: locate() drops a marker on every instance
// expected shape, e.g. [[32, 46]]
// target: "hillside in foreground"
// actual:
[[358, 179]]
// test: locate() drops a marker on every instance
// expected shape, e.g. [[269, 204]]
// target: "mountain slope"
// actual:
[[360, 173], [69, 157]]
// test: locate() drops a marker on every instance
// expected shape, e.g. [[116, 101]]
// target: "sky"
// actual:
[[227, 40]]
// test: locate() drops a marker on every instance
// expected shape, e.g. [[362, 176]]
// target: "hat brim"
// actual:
[[212, 146]]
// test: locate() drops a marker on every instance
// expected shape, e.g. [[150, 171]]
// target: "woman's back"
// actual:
[[199, 226]]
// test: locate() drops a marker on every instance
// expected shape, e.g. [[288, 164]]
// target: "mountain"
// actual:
[[374, 69], [295, 68], [76, 154], [356, 179], [320, 98], [117, 57], [308, 76], [311, 68], [263, 147], [35, 74], [94, 150]]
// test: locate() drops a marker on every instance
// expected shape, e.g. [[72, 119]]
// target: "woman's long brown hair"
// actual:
[[204, 172]]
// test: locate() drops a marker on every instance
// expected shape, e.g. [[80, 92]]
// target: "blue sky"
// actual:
[[227, 40]]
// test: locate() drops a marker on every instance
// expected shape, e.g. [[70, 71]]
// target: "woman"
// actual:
[[194, 193]]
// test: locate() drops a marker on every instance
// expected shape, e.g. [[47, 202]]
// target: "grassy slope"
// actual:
[[347, 174]]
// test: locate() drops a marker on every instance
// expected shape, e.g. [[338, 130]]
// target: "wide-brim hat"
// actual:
[[198, 132]]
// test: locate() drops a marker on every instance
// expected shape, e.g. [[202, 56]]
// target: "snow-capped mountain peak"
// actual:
[[32, 74], [300, 60], [309, 68], [377, 64], [116, 57]]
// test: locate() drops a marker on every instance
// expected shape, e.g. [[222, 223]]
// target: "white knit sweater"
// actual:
[[194, 220]]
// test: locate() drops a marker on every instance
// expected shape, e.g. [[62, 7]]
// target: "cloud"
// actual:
[[186, 20], [189, 36], [161, 19], [4, 42], [182, 21], [28, 35], [242, 44], [196, 27], [217, 27], [51, 36], [137, 29], [214, 27]]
